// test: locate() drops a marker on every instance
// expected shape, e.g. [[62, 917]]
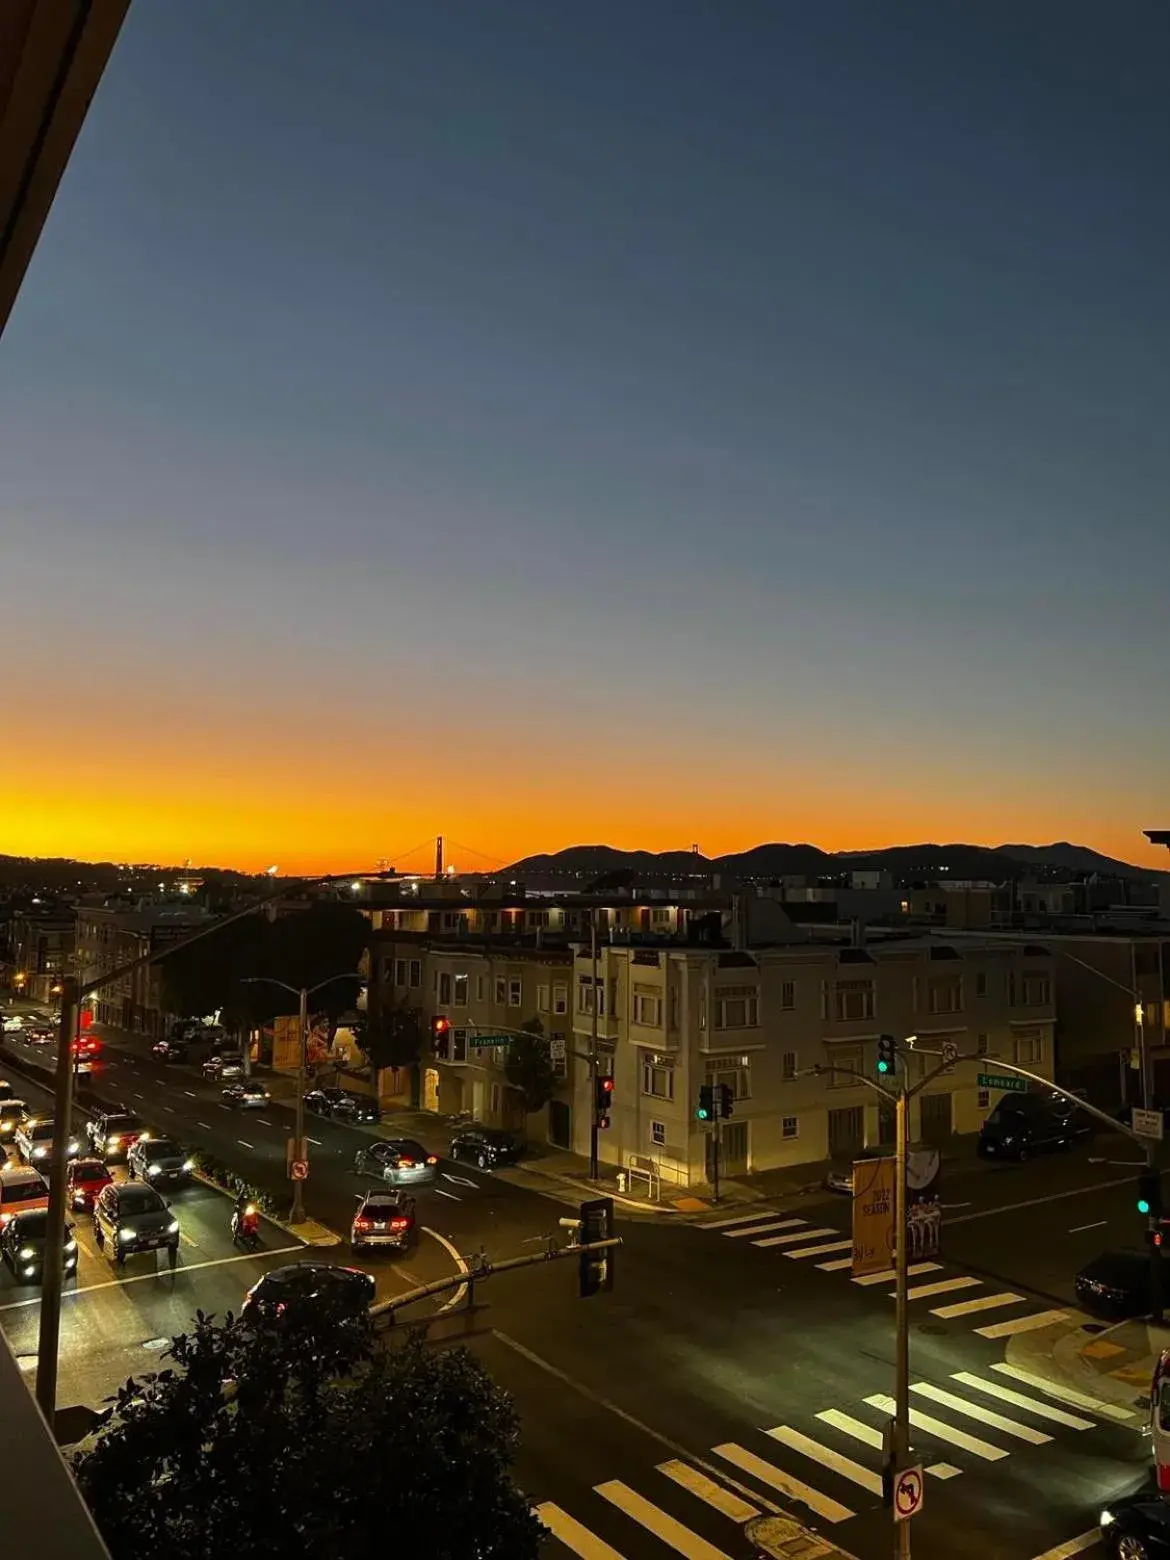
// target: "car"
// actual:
[[171, 1050], [384, 1221], [160, 1161], [12, 1113], [34, 1141], [1115, 1285], [1136, 1527], [227, 1066], [113, 1133], [129, 1217], [7, 1091], [296, 1291], [22, 1245], [40, 1034], [1025, 1124], [343, 1105], [246, 1096], [84, 1181], [13, 1023], [21, 1190], [399, 1162], [486, 1147]]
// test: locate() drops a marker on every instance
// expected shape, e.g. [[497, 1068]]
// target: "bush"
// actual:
[[231, 1181]]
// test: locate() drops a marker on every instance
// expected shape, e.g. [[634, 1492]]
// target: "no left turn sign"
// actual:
[[908, 1494]]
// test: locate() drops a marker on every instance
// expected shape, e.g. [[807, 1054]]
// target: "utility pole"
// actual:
[[297, 1215], [593, 1168], [717, 1128], [53, 1281], [901, 1311]]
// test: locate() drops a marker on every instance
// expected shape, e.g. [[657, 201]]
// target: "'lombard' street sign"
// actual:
[[1007, 1081]]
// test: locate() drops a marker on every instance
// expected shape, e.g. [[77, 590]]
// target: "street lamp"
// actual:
[[301, 1148]]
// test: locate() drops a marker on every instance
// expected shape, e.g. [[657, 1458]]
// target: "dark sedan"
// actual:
[[486, 1147], [1137, 1527], [302, 1291], [1115, 1285], [23, 1241], [342, 1105], [399, 1162]]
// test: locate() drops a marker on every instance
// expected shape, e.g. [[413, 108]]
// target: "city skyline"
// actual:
[[643, 427]]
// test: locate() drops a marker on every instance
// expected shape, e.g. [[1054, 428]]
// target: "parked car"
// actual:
[[21, 1190], [1026, 1124], [1137, 1527], [295, 1292], [384, 1221], [399, 1162], [113, 1133], [225, 1066], [160, 1161], [34, 1141], [40, 1034], [12, 1113], [343, 1105], [1115, 1285], [246, 1096], [22, 1244], [486, 1147], [170, 1050], [129, 1217], [12, 1023], [84, 1181]]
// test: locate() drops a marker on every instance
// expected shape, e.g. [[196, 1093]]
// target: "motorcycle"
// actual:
[[246, 1227]]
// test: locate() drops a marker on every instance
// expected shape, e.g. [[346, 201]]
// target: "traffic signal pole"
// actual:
[[715, 1132], [593, 1053], [53, 1277], [901, 1311]]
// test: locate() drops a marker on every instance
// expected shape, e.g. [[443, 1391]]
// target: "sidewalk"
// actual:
[[1110, 1366]]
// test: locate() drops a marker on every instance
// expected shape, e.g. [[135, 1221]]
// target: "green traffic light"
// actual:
[[1143, 1205], [703, 1115], [883, 1066]]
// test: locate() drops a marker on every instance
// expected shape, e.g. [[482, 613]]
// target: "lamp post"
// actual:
[[301, 1148]]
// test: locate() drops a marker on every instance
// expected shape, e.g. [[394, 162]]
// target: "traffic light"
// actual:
[[726, 1100], [596, 1267], [706, 1110], [886, 1055], [440, 1027], [1149, 1198], [602, 1098]]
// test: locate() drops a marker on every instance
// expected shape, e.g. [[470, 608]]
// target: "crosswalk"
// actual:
[[800, 1240], [825, 1470]]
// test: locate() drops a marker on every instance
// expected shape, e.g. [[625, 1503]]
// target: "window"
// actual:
[[1037, 991], [461, 985], [400, 972], [788, 1066], [854, 1000], [660, 914], [560, 999], [584, 993], [983, 1099], [501, 990], [443, 981], [459, 1045], [731, 1072], [658, 1081], [658, 1134], [789, 1127], [981, 983], [648, 1006], [480, 988], [495, 1098], [945, 994], [416, 973], [982, 1045], [515, 992], [788, 995], [542, 999], [845, 1060], [737, 1007], [1029, 1048]]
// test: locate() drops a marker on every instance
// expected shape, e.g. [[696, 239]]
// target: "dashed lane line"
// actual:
[[242, 1144]]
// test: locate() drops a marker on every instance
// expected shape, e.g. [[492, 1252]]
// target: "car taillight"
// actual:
[[432, 1160], [406, 1164], [399, 1224], [362, 1224]]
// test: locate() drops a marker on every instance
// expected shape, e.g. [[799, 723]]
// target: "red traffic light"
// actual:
[[440, 1024], [606, 1085]]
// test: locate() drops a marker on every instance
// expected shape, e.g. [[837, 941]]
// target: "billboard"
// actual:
[[873, 1215]]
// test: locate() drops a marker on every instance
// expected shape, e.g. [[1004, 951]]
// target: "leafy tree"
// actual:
[[308, 1440], [529, 1067], [392, 1037]]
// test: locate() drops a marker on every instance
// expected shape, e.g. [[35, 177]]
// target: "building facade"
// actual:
[[42, 945], [108, 938]]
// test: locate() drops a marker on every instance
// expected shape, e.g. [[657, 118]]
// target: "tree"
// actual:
[[392, 1037], [529, 1067], [309, 1440]]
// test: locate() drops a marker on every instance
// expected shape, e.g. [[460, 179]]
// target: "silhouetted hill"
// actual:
[[1080, 858]]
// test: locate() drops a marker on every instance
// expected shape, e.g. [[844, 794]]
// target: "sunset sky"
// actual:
[[651, 423]]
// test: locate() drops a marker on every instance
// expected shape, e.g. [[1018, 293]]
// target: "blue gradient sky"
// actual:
[[650, 422]]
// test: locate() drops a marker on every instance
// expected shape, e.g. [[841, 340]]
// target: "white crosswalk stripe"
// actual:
[[693, 1479], [762, 1229], [1065, 1394], [868, 1436], [1056, 1416], [836, 1266], [573, 1535], [887, 1275], [831, 1510], [669, 1529], [1022, 1324], [942, 1431], [791, 1239], [986, 1416], [945, 1286], [980, 1303], [738, 1218], [820, 1251], [836, 1462]]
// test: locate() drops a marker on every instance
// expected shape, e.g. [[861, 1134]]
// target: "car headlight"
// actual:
[[1106, 1519], [112, 1142], [39, 1153], [173, 1227], [25, 1254], [70, 1246], [153, 1169], [188, 1164], [126, 1234], [74, 1146]]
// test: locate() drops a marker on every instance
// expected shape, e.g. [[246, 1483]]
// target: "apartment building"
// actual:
[[109, 937], [42, 943], [669, 1019]]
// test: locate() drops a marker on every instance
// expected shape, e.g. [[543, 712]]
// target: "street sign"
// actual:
[[873, 1215], [1148, 1123], [950, 1054], [556, 1048], [478, 1039], [908, 1494], [1007, 1081], [299, 1169]]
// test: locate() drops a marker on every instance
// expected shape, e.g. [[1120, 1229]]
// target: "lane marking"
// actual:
[[1058, 1416], [460, 1266], [836, 1266], [835, 1462], [945, 1286], [316, 1142], [1036, 1202], [206, 1125], [1065, 1394], [942, 1431], [139, 1096], [1078, 1229], [568, 1531], [986, 1416], [1072, 1546], [190, 1093], [159, 1273], [669, 1529], [242, 1144], [868, 1436], [980, 1303], [723, 1500], [171, 1108], [820, 1251], [791, 1239], [887, 1276], [1023, 1324], [454, 1196], [739, 1218], [260, 1121], [830, 1510], [762, 1229]]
